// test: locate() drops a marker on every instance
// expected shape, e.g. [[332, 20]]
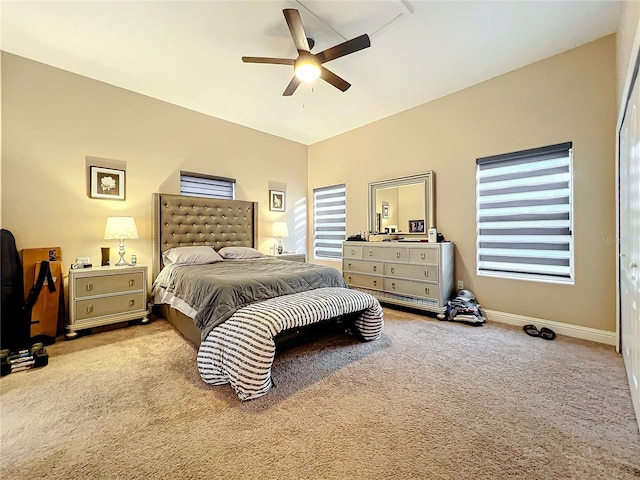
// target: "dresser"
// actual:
[[412, 274], [105, 295]]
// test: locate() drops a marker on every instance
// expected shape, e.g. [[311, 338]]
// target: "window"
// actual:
[[200, 185], [524, 214], [329, 221]]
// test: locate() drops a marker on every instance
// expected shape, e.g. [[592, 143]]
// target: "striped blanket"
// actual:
[[241, 350]]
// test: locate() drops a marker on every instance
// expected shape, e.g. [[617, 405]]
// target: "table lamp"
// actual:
[[280, 231], [120, 228]]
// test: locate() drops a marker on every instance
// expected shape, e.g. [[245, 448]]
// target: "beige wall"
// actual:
[[53, 119], [569, 97]]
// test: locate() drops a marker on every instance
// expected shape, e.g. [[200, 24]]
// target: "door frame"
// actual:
[[632, 77]]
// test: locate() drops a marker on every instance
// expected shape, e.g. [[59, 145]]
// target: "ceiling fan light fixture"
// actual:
[[307, 68]]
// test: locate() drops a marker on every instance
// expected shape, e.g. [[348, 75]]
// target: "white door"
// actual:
[[629, 209]]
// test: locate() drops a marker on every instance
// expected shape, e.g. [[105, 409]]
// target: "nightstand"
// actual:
[[105, 295], [294, 257]]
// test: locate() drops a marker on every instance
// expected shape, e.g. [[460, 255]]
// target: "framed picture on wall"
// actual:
[[276, 201], [416, 226], [107, 183], [385, 210]]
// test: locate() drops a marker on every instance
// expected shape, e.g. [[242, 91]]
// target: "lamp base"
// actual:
[[122, 262]]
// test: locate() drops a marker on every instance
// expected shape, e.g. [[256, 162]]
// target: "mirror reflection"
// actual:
[[402, 205]]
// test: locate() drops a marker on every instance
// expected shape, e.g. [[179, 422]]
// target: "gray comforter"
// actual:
[[217, 290]]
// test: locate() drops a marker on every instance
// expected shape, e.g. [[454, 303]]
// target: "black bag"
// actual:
[[15, 318], [15, 331]]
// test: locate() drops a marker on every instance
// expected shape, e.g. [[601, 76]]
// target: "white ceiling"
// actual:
[[189, 53]]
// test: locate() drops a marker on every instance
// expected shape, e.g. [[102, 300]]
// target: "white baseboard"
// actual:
[[576, 331]]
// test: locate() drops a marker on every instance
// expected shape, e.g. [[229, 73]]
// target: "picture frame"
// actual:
[[277, 201], [107, 183], [385, 210], [416, 226]]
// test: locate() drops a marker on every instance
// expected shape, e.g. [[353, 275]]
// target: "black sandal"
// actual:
[[531, 330], [547, 333]]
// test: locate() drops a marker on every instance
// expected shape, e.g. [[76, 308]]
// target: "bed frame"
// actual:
[[180, 221]]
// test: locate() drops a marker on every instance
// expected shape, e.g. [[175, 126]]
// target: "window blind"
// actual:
[[200, 185], [524, 207], [329, 221]]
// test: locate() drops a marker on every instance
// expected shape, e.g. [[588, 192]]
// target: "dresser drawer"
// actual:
[[364, 281], [412, 288], [351, 251], [362, 266], [424, 255], [418, 272], [100, 307], [106, 284], [398, 254]]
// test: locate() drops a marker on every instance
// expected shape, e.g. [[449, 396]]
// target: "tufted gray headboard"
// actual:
[[181, 221]]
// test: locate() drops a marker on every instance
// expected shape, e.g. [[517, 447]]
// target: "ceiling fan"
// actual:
[[308, 66]]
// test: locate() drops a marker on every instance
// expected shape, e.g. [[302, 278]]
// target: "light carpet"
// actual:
[[430, 399]]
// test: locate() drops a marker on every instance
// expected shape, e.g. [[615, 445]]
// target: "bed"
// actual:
[[235, 308]]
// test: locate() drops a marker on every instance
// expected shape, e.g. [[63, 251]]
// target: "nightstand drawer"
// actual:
[[104, 306], [105, 284]]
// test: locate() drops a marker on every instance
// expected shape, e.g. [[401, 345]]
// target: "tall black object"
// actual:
[[15, 324], [106, 254]]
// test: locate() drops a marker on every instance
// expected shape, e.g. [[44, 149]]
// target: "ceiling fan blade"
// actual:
[[276, 61], [294, 22], [333, 79], [350, 46], [293, 84]]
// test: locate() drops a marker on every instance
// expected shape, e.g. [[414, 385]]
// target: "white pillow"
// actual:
[[240, 252], [190, 255]]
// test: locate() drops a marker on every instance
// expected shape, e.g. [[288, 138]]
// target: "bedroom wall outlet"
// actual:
[[460, 284]]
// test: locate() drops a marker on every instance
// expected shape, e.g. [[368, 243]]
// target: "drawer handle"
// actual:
[[375, 283], [426, 290], [370, 253], [349, 278], [397, 254], [89, 308], [353, 252], [348, 265], [132, 282], [393, 285], [426, 273], [422, 255], [393, 270], [89, 287], [375, 268], [132, 303]]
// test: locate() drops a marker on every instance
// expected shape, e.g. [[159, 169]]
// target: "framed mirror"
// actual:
[[403, 205]]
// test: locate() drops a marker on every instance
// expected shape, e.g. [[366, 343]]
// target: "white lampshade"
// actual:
[[280, 230], [120, 228]]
